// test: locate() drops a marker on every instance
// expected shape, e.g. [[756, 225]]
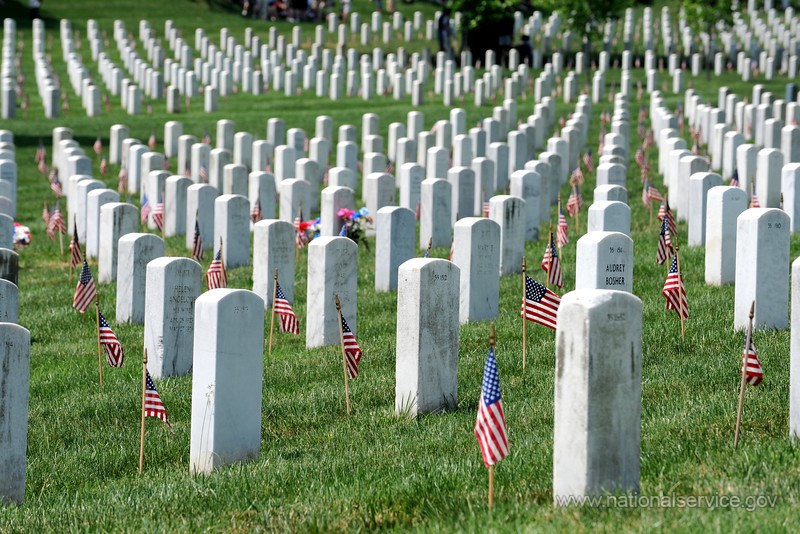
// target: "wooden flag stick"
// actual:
[[558, 227], [524, 319], [491, 467], [61, 241], [75, 221], [99, 346], [141, 434], [549, 263], [344, 356], [680, 288], [272, 319], [742, 382]]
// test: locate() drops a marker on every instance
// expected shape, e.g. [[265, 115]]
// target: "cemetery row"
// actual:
[[284, 66]]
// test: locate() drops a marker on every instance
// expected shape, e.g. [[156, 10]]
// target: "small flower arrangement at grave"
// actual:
[[353, 224]]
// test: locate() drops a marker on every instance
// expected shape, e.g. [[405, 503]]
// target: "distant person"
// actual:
[[35, 6], [525, 50], [443, 32]]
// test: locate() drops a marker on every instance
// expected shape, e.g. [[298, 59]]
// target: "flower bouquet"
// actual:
[[353, 224]]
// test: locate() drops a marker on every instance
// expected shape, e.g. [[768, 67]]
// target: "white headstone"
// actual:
[[394, 244], [116, 220], [226, 378], [699, 184], [135, 251], [609, 216], [604, 260], [724, 204], [596, 428], [509, 212], [232, 225], [273, 248], [15, 379], [332, 270], [476, 252], [427, 337]]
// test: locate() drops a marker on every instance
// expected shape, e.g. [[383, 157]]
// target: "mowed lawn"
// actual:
[[319, 470]]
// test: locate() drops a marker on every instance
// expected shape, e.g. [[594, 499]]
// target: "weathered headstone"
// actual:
[[226, 378], [762, 268], [273, 248], [509, 212], [427, 337], [394, 244], [135, 251], [9, 302], [332, 270], [173, 285], [435, 213], [723, 206], [526, 185], [175, 194], [597, 428], [9, 265], [609, 216], [200, 208], [604, 260], [699, 184], [476, 252], [15, 373], [116, 220], [232, 225]]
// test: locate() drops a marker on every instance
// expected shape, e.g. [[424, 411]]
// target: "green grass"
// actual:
[[319, 470]]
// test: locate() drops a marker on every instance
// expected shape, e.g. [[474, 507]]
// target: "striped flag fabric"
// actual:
[[202, 173], [665, 212], [541, 304], [46, 215], [577, 177], [654, 194], [110, 343], [284, 311], [103, 165], [562, 235], [153, 406], [98, 146], [55, 184], [56, 224], [490, 425], [485, 207], [41, 153], [551, 265], [754, 203], [198, 252], [145, 211], [574, 201], [85, 291], [675, 292], [352, 351], [75, 258], [122, 183], [216, 276], [301, 237], [588, 160], [158, 216], [255, 211], [751, 366], [152, 142], [664, 243]]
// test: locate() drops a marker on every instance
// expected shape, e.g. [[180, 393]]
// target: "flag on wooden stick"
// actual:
[[551, 265], [675, 292], [216, 276], [153, 406], [198, 253], [75, 250], [490, 425], [111, 345], [284, 311], [85, 291], [541, 304], [751, 366], [351, 349]]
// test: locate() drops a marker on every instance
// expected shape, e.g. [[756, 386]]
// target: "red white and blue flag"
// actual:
[[540, 304], [284, 311], [675, 292], [110, 343], [490, 425], [352, 351], [751, 367]]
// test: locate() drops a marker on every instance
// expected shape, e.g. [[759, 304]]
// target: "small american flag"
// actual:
[[490, 425], [654, 194], [754, 203], [206, 138], [153, 407], [352, 351], [645, 196], [122, 184], [751, 367], [735, 178], [664, 243], [41, 153], [665, 212], [640, 156], [301, 237], [145, 211], [284, 311], [255, 211], [203, 174], [57, 223], [46, 215], [541, 304], [588, 160], [551, 265], [76, 258], [485, 207], [197, 246], [98, 146], [215, 276], [562, 236], [42, 166], [577, 177], [158, 216], [85, 291], [675, 292], [574, 201], [55, 183], [111, 345], [103, 166], [152, 142]]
